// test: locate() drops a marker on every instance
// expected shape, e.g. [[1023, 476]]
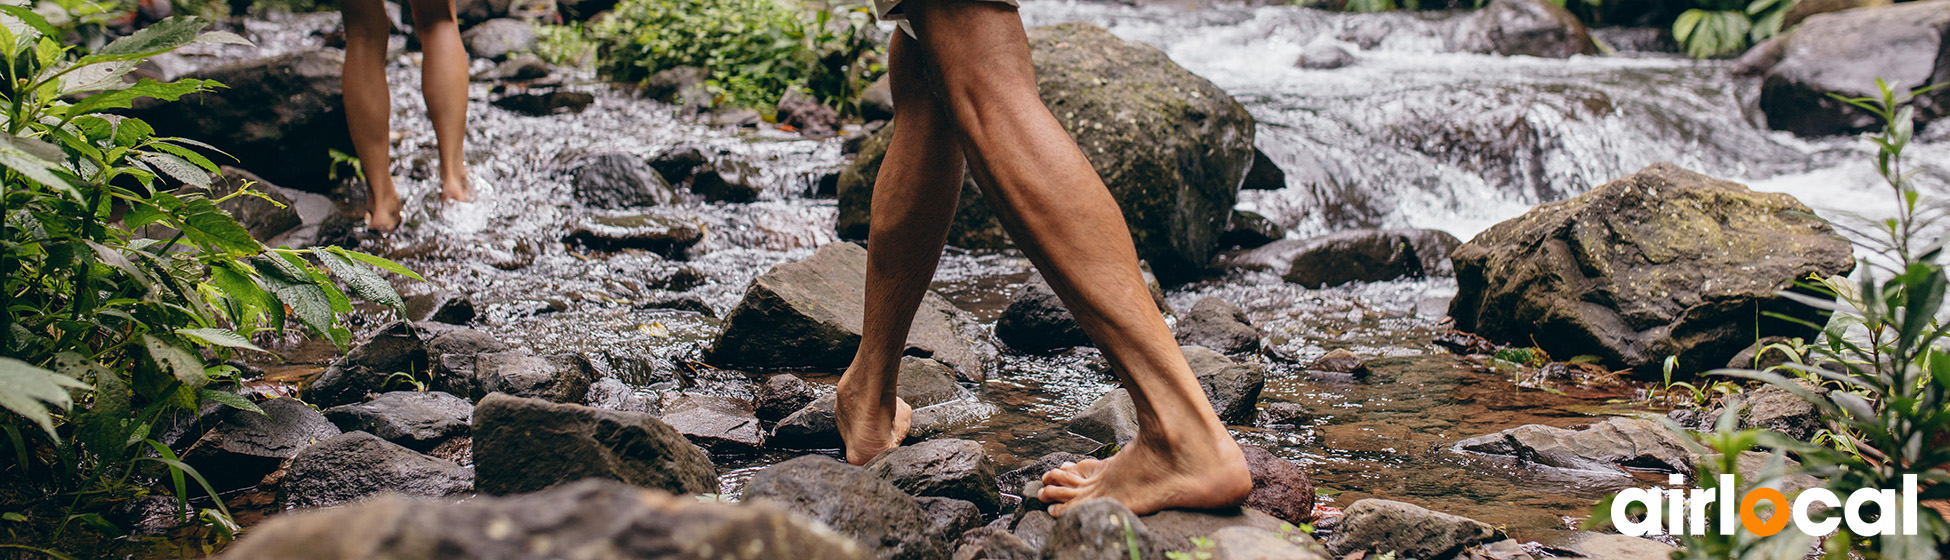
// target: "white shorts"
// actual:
[[889, 10]]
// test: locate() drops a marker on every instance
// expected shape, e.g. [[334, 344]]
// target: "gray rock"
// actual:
[[1844, 53], [1587, 544], [286, 109], [1101, 529], [1324, 57], [1523, 27], [1433, 247], [922, 383], [719, 424], [1411, 531], [546, 101], [1232, 386], [1247, 543], [523, 445], [524, 66], [1506, 549], [1291, 414], [418, 421], [442, 306], [726, 181], [948, 518], [948, 468], [1036, 321], [1340, 360], [559, 377], [853, 502], [355, 465], [396, 348], [1214, 323], [1248, 230], [994, 544], [1111, 419], [464, 342], [1264, 174], [812, 118], [619, 180], [665, 234], [1605, 447], [679, 163], [877, 101], [782, 395], [495, 39], [1774, 408], [1352, 256], [247, 446], [1012, 482]]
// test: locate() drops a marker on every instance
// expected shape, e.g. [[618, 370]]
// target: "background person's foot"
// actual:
[[1148, 479], [456, 189], [866, 431], [383, 213]]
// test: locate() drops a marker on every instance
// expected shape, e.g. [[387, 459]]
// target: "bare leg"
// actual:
[[1060, 214], [368, 106], [913, 200], [444, 84]]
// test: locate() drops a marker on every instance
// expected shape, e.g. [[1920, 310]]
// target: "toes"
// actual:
[[1085, 469], [1062, 477], [1053, 494]]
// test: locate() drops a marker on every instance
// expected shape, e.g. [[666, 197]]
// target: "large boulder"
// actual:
[[1664, 262], [807, 315], [355, 465], [280, 116], [1845, 53], [247, 446], [1172, 147], [524, 445], [1608, 447], [1409, 530], [947, 468], [419, 421], [1219, 325], [1101, 529], [852, 501], [1523, 27], [590, 520]]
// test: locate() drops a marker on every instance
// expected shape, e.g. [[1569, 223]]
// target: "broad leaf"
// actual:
[[206, 224], [307, 301], [35, 160], [164, 36], [231, 400], [220, 337], [363, 281], [181, 363], [177, 167], [30, 391], [380, 262]]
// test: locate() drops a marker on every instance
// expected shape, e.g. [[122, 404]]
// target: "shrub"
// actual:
[[755, 49]]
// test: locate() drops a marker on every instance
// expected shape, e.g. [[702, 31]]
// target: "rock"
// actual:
[[1800, 11], [1214, 323], [1101, 529], [1354, 256], [782, 395], [1433, 247], [247, 446], [618, 180], [1249, 230], [520, 67], [1111, 419], [1036, 321], [1232, 387], [546, 102], [922, 383], [668, 236], [1755, 358], [610, 393], [417, 421], [1012, 482], [1324, 57], [366, 369], [807, 115], [682, 86], [594, 519], [282, 113], [495, 39], [949, 518], [1587, 544], [1341, 361], [725, 181], [877, 101], [556, 377], [524, 445], [1774, 408], [853, 502], [1506, 549], [1280, 487], [1408, 530], [947, 468], [1172, 147], [1665, 262], [1246, 543], [1523, 27], [994, 544], [1844, 53], [1175, 529], [443, 306], [1605, 447], [1286, 413], [452, 354], [354, 465], [807, 315], [1264, 175], [1033, 527], [720, 424], [677, 164]]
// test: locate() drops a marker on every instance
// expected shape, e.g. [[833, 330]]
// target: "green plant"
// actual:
[[1201, 550], [122, 300], [565, 45], [756, 50], [1721, 27], [1697, 394]]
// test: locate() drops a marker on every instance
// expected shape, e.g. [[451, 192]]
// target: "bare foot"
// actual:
[[454, 188], [382, 212], [868, 429], [1149, 477]]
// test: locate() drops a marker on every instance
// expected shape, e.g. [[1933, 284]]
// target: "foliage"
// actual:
[[565, 45], [1722, 27], [1719, 453], [123, 300], [755, 49]]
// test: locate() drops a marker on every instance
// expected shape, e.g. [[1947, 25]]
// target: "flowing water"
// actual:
[[1408, 136]]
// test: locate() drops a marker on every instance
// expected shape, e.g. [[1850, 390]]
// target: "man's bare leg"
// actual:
[[443, 84], [1059, 213], [368, 106], [913, 200]]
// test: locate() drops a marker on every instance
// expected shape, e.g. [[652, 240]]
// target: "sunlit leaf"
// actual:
[[30, 391], [181, 363], [363, 281], [220, 337]]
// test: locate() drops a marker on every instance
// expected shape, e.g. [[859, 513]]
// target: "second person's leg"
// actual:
[[444, 85], [368, 106]]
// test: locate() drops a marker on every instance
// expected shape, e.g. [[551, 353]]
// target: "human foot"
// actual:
[[382, 212], [455, 188], [868, 429], [1150, 477]]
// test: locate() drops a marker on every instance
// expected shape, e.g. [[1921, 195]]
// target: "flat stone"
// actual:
[[853, 502], [418, 421], [524, 445], [1411, 531], [355, 465], [247, 446], [719, 424], [948, 468]]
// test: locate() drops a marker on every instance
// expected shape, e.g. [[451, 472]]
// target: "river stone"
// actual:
[[589, 520], [669, 236], [544, 101], [1801, 10], [1101, 529], [464, 342], [948, 518], [994, 544], [1214, 323], [852, 501], [1324, 57], [524, 445], [495, 39], [1845, 53], [618, 180], [679, 163], [1247, 543], [726, 181], [1248, 230], [441, 306], [396, 348], [877, 101], [1340, 360], [1112, 418], [282, 115], [418, 421], [1036, 321], [247, 446], [1174, 529], [948, 468], [556, 377], [1012, 482], [1609, 446], [1353, 256], [922, 383], [521, 67], [720, 424], [807, 115], [1774, 408], [1232, 386], [1408, 530], [1280, 487], [1172, 147], [782, 395], [354, 465], [1523, 27], [807, 315], [1587, 544], [1665, 262], [1433, 247]]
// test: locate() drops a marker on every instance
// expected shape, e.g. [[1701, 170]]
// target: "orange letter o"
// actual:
[[1751, 520]]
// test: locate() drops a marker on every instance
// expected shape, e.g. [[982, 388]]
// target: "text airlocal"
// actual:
[[1681, 511]]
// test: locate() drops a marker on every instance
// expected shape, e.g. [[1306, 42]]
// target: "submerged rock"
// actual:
[[1844, 53], [418, 421], [1324, 57], [524, 445], [1214, 323], [355, 465], [679, 163], [247, 446], [1607, 447], [1523, 27], [668, 236], [1665, 262], [544, 102], [1341, 361], [852, 501], [1411, 531], [947, 468]]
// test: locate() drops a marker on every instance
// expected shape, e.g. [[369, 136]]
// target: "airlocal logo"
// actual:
[[1685, 510]]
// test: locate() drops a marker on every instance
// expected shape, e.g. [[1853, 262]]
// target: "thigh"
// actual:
[[973, 44]]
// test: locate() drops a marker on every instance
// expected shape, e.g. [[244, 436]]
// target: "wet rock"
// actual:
[[1587, 544], [1249, 230], [994, 544], [396, 348], [1433, 247], [286, 109], [665, 235], [1012, 482], [1506, 549], [1324, 57], [1286, 413], [600, 519], [1280, 487], [1843, 53], [149, 516], [1755, 358], [948, 468], [1774, 408], [417, 421], [1214, 323], [524, 445], [1232, 386], [556, 377], [354, 465], [725, 181], [949, 518], [444, 306], [1353, 256], [1174, 161], [1523, 27], [495, 39], [1175, 529], [1101, 529], [1036, 321], [1665, 262], [1341, 361], [677, 164], [247, 446], [1411, 531], [807, 315], [877, 101], [618, 180], [524, 66], [1264, 174], [720, 424], [1804, 9], [1605, 447], [782, 395], [546, 102], [682, 86], [1111, 419], [1246, 543], [853, 502], [923, 383], [452, 354], [1033, 527], [807, 115], [609, 393]]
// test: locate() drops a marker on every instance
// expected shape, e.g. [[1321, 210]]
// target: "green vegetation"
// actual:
[[1703, 28], [123, 300], [755, 49]]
